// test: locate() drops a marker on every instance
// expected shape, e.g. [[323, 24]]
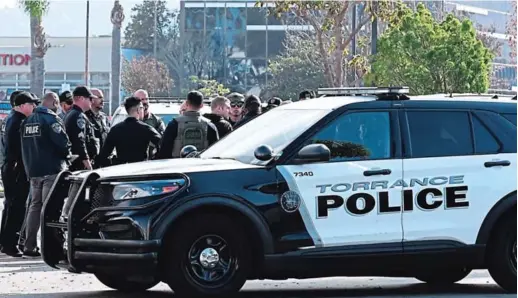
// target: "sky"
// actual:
[[66, 17]]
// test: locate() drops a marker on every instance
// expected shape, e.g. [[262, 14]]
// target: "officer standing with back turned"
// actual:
[[80, 131]]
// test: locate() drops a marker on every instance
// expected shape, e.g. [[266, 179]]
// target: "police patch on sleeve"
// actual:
[[290, 201], [56, 127], [81, 123]]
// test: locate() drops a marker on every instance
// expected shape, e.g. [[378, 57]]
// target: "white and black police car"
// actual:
[[357, 182]]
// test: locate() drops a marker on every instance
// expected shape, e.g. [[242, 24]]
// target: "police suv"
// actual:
[[358, 182]]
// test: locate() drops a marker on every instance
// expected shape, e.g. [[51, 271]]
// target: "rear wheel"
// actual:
[[444, 278], [127, 284], [208, 255], [502, 255]]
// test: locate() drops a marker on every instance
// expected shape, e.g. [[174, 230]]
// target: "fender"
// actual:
[[505, 204], [162, 224]]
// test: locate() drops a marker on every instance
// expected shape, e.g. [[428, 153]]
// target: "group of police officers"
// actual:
[[41, 138]]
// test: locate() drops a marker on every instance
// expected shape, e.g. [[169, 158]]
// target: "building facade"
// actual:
[[241, 38]]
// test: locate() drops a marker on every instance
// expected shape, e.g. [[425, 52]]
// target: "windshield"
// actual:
[[276, 128]]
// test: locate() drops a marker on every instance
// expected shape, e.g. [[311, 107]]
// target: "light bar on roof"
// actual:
[[363, 90]]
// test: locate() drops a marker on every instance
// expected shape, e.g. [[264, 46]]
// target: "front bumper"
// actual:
[[100, 235]]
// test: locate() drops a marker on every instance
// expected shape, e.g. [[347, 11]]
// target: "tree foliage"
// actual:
[[35, 8], [432, 57], [299, 67], [140, 31], [511, 30], [207, 87], [146, 73], [333, 30]]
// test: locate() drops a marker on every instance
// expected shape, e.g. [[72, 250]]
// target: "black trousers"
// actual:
[[16, 190]]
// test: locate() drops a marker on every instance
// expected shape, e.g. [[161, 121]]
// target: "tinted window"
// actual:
[[485, 142], [439, 133], [510, 117], [357, 136]]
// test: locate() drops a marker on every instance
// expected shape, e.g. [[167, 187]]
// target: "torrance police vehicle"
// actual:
[[359, 182]]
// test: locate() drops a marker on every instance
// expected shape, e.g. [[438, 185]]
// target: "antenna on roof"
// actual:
[[381, 92]]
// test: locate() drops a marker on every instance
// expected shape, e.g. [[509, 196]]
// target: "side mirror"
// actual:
[[188, 151], [313, 153], [263, 153]]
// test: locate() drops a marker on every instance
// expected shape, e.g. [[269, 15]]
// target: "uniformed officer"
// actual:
[[66, 102], [80, 131], [150, 118], [220, 107], [252, 109], [188, 129], [98, 118], [16, 184], [2, 129], [237, 100], [131, 137], [45, 150]]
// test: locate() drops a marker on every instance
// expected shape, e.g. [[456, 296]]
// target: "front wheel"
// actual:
[[444, 278], [502, 255], [207, 255], [126, 284]]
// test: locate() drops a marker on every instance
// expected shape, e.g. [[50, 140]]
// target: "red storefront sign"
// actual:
[[14, 59]]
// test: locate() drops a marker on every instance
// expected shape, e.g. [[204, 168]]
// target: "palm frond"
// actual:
[[34, 8]]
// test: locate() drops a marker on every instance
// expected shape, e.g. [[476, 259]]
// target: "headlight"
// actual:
[[140, 189]]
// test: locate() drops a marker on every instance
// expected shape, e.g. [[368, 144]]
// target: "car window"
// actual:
[[510, 117], [485, 142], [439, 133], [356, 136]]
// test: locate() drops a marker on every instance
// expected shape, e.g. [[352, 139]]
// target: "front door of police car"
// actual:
[[355, 197]]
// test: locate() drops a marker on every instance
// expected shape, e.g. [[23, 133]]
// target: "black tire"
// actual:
[[185, 247], [501, 256], [443, 278], [125, 284]]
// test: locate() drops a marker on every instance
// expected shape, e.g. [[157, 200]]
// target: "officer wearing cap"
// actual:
[[252, 109], [66, 102], [97, 117], [237, 100], [14, 178], [80, 131], [2, 127], [45, 151], [273, 103]]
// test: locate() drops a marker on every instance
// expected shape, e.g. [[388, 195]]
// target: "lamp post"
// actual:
[[87, 40]]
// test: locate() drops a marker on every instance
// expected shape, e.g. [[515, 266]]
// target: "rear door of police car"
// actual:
[[352, 199], [456, 169]]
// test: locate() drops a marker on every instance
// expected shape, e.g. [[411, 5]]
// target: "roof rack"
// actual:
[[361, 91]]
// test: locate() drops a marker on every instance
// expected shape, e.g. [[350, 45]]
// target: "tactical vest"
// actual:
[[192, 130]]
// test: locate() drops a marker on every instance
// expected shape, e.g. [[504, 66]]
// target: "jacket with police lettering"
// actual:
[[188, 129], [13, 162], [45, 144], [81, 134]]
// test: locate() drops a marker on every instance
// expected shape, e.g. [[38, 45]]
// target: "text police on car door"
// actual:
[[363, 203]]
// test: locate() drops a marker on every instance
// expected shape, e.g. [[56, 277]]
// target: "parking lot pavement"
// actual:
[[31, 278]]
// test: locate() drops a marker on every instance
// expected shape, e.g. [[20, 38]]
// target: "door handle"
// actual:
[[499, 163], [377, 172]]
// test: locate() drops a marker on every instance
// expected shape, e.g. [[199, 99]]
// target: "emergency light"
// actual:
[[356, 91]]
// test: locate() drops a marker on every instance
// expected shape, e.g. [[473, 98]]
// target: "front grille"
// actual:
[[101, 196]]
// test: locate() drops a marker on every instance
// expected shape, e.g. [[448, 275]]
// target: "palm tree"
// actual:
[[117, 17], [39, 46]]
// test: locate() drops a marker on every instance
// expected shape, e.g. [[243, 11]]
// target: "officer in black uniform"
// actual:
[[16, 184], [80, 131], [131, 137], [45, 150], [2, 130], [98, 118]]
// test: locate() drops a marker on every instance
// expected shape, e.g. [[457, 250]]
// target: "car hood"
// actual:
[[168, 166]]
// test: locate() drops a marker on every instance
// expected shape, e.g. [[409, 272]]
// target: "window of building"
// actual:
[[76, 77], [235, 18], [256, 16], [194, 18], [275, 42], [439, 133], [256, 44], [215, 18], [7, 79], [357, 136], [99, 78], [485, 142]]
